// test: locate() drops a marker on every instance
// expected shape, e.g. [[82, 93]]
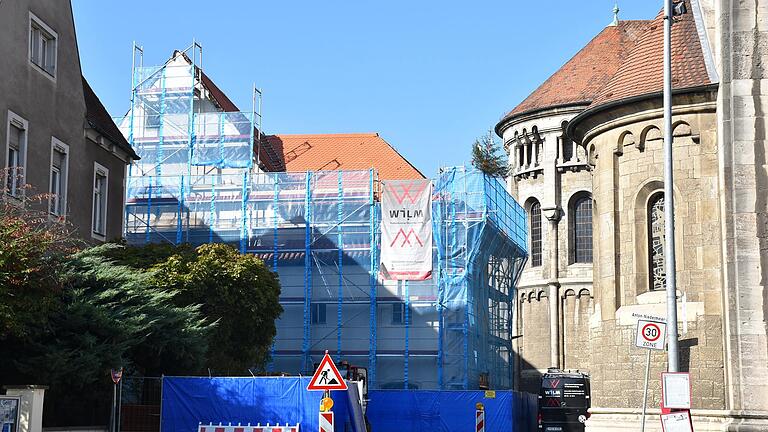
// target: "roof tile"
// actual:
[[621, 62], [643, 70], [582, 77], [98, 118], [360, 151]]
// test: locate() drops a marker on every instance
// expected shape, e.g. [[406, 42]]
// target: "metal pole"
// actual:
[[253, 123], [114, 402], [645, 388], [669, 201], [119, 404]]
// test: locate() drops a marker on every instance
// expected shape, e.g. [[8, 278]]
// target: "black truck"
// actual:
[[563, 401]]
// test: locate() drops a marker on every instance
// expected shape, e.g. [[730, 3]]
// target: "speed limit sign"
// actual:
[[651, 334]]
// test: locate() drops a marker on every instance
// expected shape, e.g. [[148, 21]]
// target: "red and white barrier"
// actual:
[[248, 428], [479, 420], [326, 421]]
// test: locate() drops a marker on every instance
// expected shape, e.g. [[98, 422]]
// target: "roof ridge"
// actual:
[[350, 134]]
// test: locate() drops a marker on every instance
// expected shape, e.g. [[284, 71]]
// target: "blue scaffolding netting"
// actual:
[[319, 231]]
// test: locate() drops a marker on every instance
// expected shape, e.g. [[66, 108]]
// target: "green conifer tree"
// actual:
[[488, 158]]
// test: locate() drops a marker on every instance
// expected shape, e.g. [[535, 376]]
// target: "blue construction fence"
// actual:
[[450, 411], [188, 402]]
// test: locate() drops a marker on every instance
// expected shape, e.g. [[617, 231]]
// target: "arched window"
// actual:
[[656, 266], [581, 229], [566, 144], [535, 218]]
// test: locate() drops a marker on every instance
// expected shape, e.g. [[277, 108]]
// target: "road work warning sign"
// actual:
[[327, 376], [651, 334]]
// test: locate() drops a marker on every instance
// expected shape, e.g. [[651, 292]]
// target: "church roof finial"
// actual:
[[615, 14]]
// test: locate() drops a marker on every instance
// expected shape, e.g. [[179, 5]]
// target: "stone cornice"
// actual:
[[551, 111], [596, 120]]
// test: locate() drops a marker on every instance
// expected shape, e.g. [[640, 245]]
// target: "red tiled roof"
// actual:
[[98, 118], [360, 151], [621, 62], [642, 71], [582, 77]]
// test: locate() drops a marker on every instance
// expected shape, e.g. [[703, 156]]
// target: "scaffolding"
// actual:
[[319, 231]]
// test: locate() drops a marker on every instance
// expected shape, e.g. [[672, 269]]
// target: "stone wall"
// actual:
[[577, 309], [628, 172], [557, 289], [533, 325], [740, 42]]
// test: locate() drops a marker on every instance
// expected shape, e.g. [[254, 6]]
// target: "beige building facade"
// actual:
[[586, 151], [56, 137]]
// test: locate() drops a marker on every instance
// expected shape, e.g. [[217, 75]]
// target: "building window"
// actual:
[[535, 215], [399, 315], [57, 189], [16, 149], [42, 45], [100, 183], [317, 313], [581, 229], [656, 243]]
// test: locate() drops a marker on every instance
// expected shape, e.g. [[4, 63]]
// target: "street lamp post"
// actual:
[[669, 201]]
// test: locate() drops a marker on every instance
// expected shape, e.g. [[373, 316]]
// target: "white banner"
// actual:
[[406, 230]]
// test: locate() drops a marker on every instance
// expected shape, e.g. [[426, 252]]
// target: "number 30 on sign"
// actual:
[[651, 334]]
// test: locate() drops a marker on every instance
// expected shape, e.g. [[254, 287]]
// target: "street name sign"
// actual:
[[651, 334], [327, 376]]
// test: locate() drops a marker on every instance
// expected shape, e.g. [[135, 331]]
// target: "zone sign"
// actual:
[[651, 334]]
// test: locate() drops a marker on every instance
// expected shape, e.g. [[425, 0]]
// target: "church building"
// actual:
[[586, 153]]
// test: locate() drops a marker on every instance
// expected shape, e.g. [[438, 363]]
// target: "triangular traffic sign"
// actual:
[[327, 377]]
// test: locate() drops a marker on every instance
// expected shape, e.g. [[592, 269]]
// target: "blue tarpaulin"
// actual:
[[449, 411], [189, 401]]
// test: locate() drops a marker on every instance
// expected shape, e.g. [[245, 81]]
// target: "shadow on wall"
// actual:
[[529, 376], [685, 353]]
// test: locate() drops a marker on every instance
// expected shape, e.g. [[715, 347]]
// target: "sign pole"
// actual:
[[645, 388], [116, 375], [670, 270], [114, 402], [119, 404], [651, 335]]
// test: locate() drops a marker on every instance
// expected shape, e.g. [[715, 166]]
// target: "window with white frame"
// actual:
[[42, 45], [16, 149], [100, 183], [57, 203]]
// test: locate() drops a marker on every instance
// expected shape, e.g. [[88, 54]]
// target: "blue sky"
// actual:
[[429, 76]]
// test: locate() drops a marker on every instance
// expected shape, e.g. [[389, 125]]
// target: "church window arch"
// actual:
[[535, 229], [580, 228], [656, 243]]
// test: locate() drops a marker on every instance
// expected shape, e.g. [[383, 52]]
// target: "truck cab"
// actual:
[[563, 401]]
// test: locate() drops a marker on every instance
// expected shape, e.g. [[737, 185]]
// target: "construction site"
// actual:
[[205, 175]]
